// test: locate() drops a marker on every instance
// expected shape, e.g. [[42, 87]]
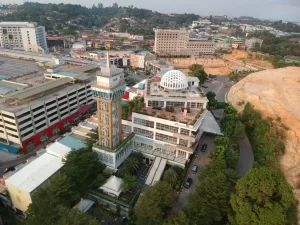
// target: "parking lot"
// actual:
[[200, 159], [15, 67]]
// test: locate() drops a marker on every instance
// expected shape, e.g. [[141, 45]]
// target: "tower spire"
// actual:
[[107, 59]]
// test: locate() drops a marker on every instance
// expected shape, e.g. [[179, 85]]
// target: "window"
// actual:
[[24, 114], [40, 126], [166, 138], [184, 131], [50, 103], [142, 132], [27, 133], [156, 103], [165, 127], [38, 108], [143, 122]]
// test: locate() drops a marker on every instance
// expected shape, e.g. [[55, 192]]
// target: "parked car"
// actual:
[[188, 182], [194, 169], [203, 147], [208, 81], [204, 86], [11, 168], [225, 86]]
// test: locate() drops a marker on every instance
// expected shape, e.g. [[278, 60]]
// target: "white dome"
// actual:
[[174, 80]]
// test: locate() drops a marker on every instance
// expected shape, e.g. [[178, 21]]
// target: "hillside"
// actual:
[[276, 93], [67, 17]]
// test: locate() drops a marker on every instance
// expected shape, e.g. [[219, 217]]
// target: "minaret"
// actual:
[[108, 92]]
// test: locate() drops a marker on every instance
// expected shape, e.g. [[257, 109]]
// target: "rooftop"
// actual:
[[28, 90], [154, 90], [35, 173]]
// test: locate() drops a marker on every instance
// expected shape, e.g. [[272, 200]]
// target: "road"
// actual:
[[220, 86], [246, 157], [246, 153], [200, 159]]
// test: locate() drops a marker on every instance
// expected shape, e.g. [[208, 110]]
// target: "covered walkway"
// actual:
[[156, 171]]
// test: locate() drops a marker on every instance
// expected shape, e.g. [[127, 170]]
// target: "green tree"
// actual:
[[262, 197], [43, 209], [152, 203], [131, 165], [170, 176], [82, 167], [197, 70], [62, 190], [129, 182], [209, 204], [181, 219]]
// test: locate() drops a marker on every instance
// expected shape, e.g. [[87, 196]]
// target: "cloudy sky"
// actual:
[[265, 9]]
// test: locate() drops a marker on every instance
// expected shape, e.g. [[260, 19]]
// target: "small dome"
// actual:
[[174, 80]]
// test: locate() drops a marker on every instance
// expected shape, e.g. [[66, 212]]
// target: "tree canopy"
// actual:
[[197, 70], [262, 197], [152, 203]]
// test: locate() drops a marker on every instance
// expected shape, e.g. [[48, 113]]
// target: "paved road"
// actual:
[[200, 159], [246, 157], [220, 86]]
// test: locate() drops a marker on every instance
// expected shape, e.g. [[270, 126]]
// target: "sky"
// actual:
[[286, 10]]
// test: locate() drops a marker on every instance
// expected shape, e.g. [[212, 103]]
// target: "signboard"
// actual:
[[107, 45]]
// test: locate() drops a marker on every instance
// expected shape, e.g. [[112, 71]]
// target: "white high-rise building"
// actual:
[[23, 35]]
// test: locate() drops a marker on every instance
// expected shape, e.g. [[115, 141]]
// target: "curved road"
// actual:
[[246, 153]]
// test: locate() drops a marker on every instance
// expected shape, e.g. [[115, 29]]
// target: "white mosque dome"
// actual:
[[174, 80]]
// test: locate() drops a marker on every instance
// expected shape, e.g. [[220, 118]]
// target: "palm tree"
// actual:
[[129, 181], [131, 164], [170, 176]]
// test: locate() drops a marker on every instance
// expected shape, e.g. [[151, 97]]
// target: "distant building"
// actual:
[[138, 60], [201, 23], [175, 43], [136, 37], [23, 35], [253, 42]]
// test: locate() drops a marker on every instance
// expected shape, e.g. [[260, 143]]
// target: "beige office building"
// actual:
[[177, 43]]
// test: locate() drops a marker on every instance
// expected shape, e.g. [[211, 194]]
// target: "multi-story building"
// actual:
[[253, 42], [32, 112], [178, 43], [139, 59], [201, 23], [23, 35], [172, 120]]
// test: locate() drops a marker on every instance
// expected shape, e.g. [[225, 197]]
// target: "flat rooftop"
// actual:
[[155, 91], [16, 67], [36, 172], [23, 91]]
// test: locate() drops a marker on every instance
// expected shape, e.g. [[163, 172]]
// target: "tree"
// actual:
[[181, 219], [115, 5], [82, 167], [152, 204], [42, 210], [130, 165], [73, 217], [170, 176], [197, 70], [262, 197], [129, 182], [62, 190], [209, 204]]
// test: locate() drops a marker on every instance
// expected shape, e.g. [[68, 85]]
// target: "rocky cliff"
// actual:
[[276, 94]]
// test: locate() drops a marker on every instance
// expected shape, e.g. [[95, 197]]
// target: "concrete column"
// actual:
[[186, 155], [176, 152], [185, 105]]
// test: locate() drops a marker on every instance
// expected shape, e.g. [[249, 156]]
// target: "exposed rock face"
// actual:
[[276, 93]]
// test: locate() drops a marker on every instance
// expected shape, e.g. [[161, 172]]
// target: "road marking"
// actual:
[[220, 87]]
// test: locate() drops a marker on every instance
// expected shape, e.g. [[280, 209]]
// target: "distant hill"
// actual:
[[68, 17]]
